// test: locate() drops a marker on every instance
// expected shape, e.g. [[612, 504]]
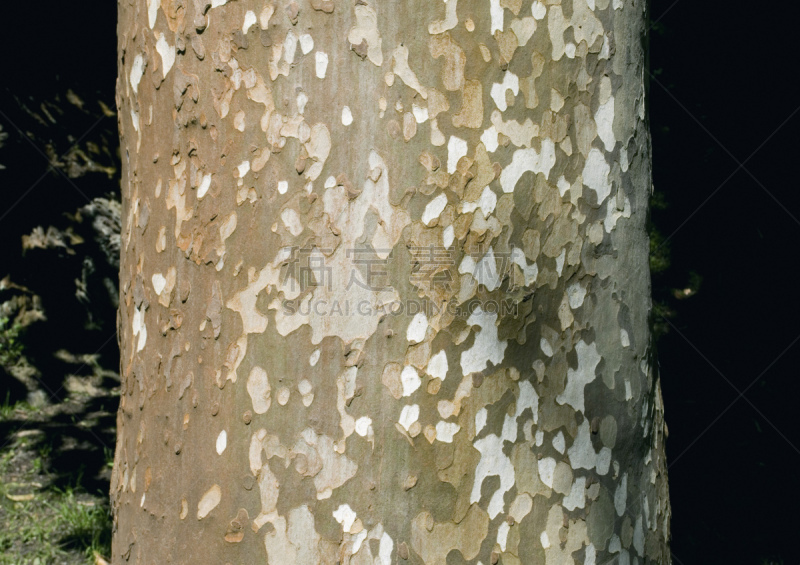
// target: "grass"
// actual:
[[10, 410], [85, 523], [10, 344], [44, 529], [40, 522]]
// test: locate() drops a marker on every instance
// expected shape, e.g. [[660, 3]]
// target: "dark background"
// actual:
[[723, 99]]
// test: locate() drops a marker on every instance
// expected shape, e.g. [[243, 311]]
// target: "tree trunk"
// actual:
[[384, 284]]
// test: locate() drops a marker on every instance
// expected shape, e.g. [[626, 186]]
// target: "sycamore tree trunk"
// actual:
[[384, 284]]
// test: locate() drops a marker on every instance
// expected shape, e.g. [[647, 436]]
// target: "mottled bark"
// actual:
[[385, 292]]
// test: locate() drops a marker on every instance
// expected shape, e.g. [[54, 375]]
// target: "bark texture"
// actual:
[[384, 284]]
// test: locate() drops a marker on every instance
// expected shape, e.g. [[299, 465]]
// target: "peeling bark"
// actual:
[[384, 285]]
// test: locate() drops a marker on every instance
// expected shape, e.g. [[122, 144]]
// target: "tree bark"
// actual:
[[384, 284]]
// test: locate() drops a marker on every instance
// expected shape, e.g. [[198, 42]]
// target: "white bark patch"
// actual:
[[283, 186], [410, 380], [595, 174], [139, 328], [560, 261], [582, 454], [547, 469], [585, 25], [420, 114], [345, 516], [529, 272], [434, 209], [329, 468], [493, 462], [437, 366], [577, 379], [446, 430], [226, 230], [209, 501], [364, 426], [137, 71], [558, 442], [239, 121], [577, 495], [289, 47], [152, 12], [314, 358], [576, 294], [498, 91], [205, 184], [613, 214], [302, 100], [265, 15], [486, 347], [167, 53], [604, 117], [366, 28], [489, 139], [480, 420], [409, 415], [484, 271], [448, 236], [520, 134], [385, 549], [294, 539], [538, 9], [527, 398], [321, 60], [496, 12], [638, 535], [591, 553], [449, 22], [347, 116], [525, 160], [244, 301], [401, 69], [222, 442], [318, 148], [159, 282], [243, 168], [556, 26], [486, 202], [502, 535], [259, 390], [621, 495], [292, 221], [249, 20], [417, 328], [456, 148], [306, 43], [348, 217]]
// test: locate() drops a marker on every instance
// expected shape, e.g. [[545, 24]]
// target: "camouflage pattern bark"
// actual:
[[385, 291]]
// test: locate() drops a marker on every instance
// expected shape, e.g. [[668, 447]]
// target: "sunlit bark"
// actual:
[[384, 287]]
